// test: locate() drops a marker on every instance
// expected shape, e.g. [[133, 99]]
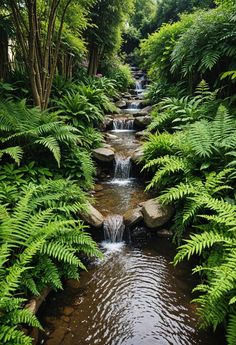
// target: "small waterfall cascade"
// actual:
[[134, 105], [123, 124], [138, 85], [114, 228], [122, 168]]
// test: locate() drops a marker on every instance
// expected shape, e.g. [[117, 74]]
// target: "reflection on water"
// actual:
[[132, 297]]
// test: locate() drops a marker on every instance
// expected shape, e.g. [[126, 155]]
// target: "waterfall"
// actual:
[[134, 105], [123, 124], [122, 168], [114, 228], [138, 86]]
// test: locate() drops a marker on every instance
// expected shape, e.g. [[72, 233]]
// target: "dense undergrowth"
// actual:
[[46, 172], [60, 73], [191, 149]]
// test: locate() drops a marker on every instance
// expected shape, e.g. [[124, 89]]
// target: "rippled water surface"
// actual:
[[133, 297]]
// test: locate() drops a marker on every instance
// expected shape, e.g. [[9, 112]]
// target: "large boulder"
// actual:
[[142, 121], [133, 217], [103, 154], [92, 217], [121, 104], [155, 214]]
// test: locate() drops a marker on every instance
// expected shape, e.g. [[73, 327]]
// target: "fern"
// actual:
[[31, 127], [35, 245]]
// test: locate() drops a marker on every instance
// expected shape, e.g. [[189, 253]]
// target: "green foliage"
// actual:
[[139, 24], [217, 27], [108, 20], [199, 45], [217, 242], [120, 73], [194, 170], [156, 50], [174, 113], [33, 129], [170, 10], [78, 164], [77, 110], [38, 238]]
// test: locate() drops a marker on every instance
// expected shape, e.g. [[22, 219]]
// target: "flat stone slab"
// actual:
[[103, 154], [156, 215]]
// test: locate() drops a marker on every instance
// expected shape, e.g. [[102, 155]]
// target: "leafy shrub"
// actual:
[[38, 248], [78, 111], [194, 170], [78, 165], [156, 50], [107, 85], [97, 97], [174, 113], [32, 130], [194, 53], [120, 73]]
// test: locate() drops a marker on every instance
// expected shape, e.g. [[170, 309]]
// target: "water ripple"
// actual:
[[131, 298]]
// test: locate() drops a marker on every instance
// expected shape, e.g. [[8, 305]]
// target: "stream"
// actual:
[[134, 296]]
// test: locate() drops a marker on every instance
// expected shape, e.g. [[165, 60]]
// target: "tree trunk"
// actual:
[[93, 61], [4, 58]]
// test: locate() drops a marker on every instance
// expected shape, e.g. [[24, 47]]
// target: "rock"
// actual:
[[111, 136], [137, 155], [142, 121], [127, 95], [155, 214], [93, 217], [121, 104], [134, 113], [164, 233], [108, 146], [58, 333], [141, 134], [133, 217], [103, 154], [140, 234], [98, 188], [108, 122], [65, 319], [146, 110], [67, 311]]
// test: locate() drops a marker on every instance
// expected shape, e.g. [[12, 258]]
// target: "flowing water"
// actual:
[[134, 296], [123, 125], [114, 229]]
